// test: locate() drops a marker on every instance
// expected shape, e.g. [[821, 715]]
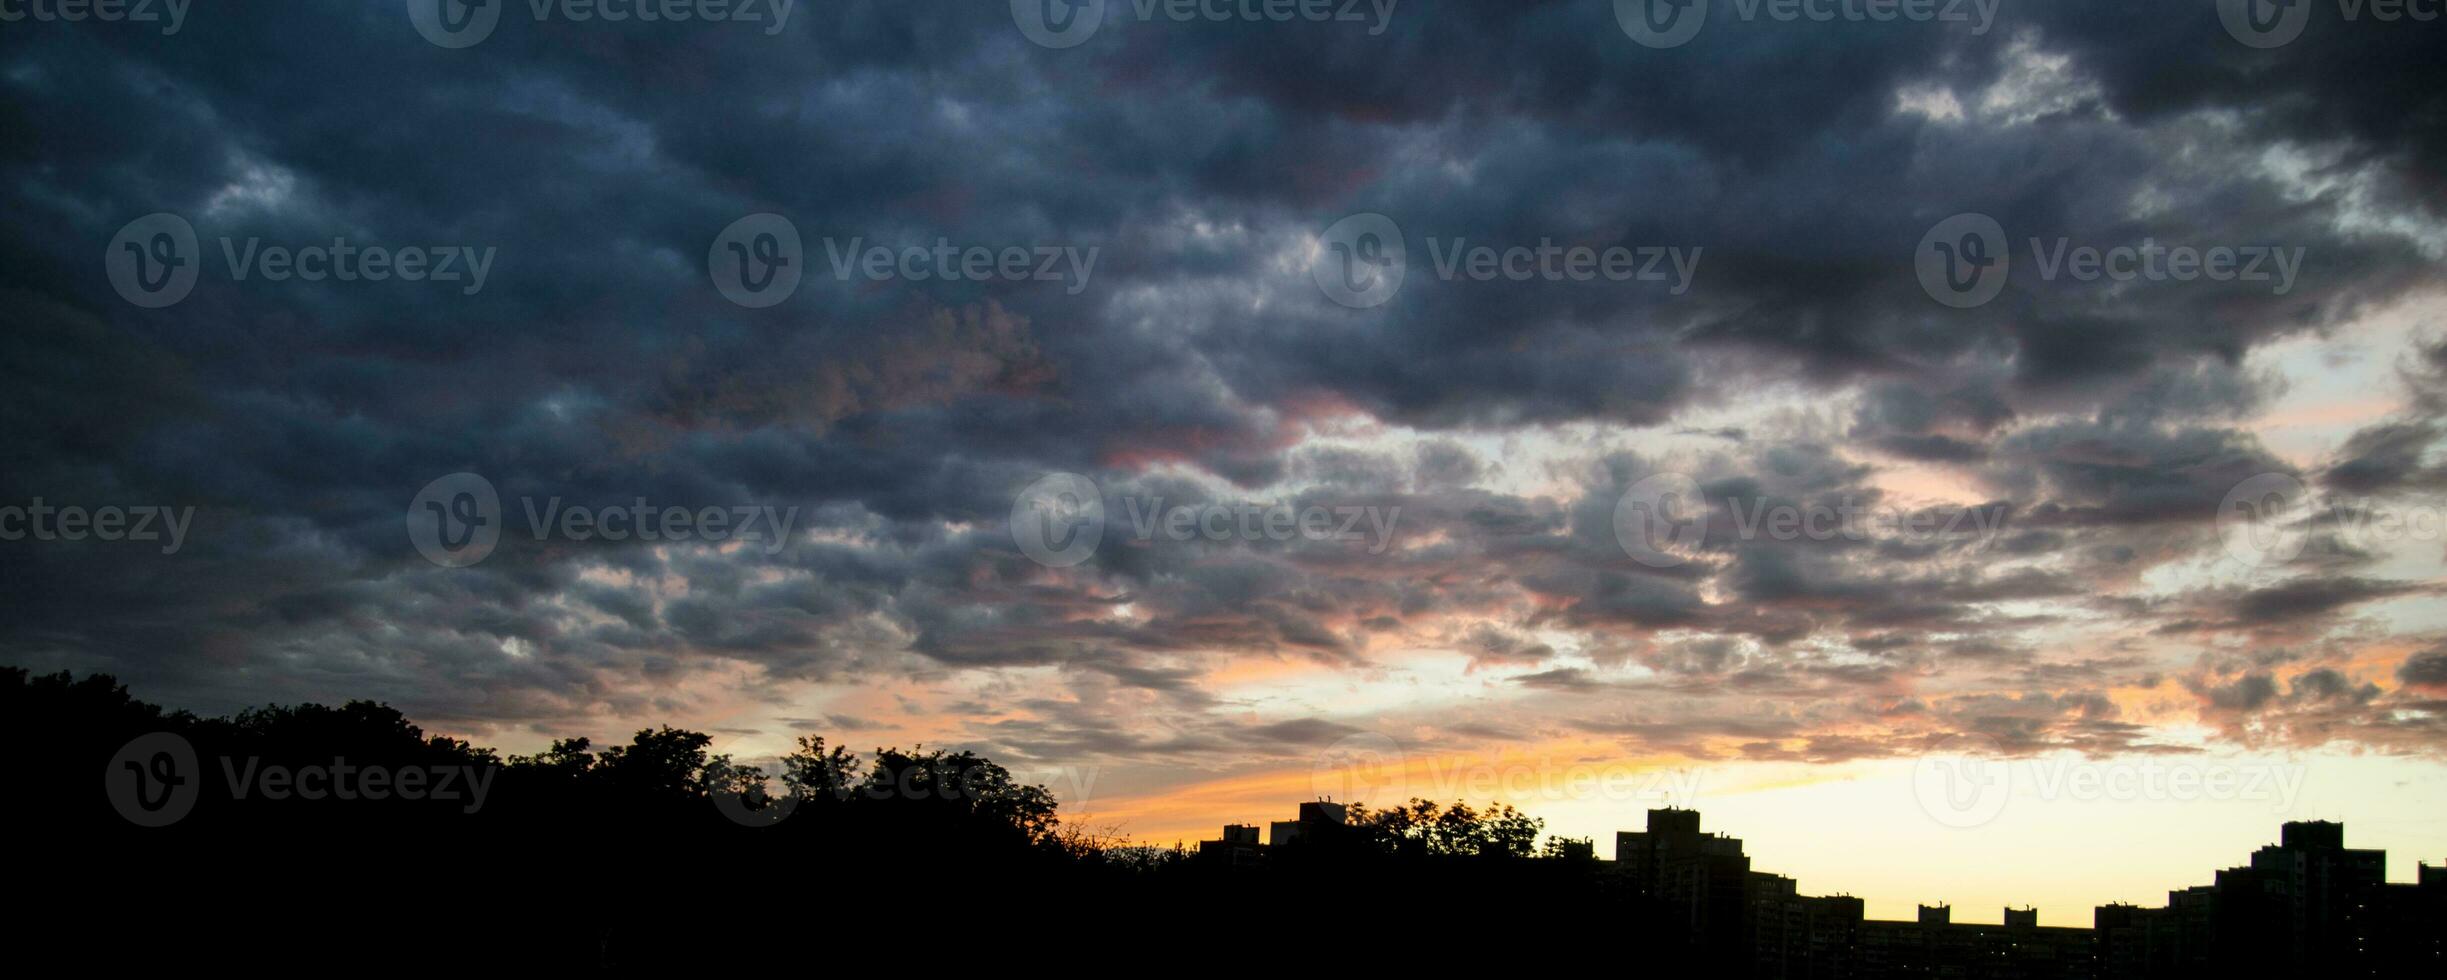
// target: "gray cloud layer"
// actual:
[[598, 364]]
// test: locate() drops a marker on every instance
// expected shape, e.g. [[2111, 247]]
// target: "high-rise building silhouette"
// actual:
[[2409, 932], [1760, 925], [1240, 844], [2305, 906], [1313, 815], [1795, 936], [1701, 880], [1934, 945]]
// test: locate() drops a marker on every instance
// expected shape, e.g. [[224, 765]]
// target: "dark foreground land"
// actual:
[[658, 854], [345, 838]]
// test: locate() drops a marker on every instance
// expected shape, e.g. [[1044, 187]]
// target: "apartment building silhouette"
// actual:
[[1734, 915], [2307, 906]]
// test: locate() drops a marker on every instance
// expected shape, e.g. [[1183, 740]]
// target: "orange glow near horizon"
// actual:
[[1856, 828]]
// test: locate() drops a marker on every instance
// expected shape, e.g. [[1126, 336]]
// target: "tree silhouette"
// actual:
[[668, 764], [1429, 829], [814, 772], [634, 855]]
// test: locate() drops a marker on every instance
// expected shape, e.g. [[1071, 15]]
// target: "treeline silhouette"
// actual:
[[661, 853]]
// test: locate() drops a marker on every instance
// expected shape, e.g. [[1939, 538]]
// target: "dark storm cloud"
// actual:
[[2393, 455], [597, 365], [1561, 678], [2373, 86], [2300, 599], [2123, 474], [2427, 669], [2314, 707], [2389, 457], [2284, 612]]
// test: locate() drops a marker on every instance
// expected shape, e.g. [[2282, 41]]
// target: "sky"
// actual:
[[1995, 456]]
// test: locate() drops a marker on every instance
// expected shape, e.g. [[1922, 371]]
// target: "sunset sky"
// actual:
[[2157, 680]]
